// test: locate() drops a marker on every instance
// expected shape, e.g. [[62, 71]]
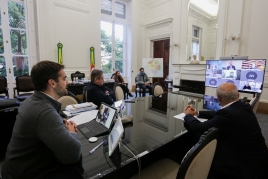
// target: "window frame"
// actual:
[[117, 21]]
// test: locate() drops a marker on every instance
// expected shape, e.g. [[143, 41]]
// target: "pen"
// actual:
[[93, 150]]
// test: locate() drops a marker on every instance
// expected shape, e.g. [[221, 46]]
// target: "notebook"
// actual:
[[102, 123]]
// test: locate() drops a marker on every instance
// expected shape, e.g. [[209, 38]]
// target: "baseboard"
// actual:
[[263, 108]]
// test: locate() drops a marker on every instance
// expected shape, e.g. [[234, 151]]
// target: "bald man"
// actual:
[[241, 150]]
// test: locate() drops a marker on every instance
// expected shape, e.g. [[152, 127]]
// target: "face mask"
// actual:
[[142, 73]]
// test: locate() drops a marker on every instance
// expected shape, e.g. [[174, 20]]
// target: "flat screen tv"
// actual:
[[247, 75]]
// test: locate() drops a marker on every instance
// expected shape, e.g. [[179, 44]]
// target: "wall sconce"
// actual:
[[233, 37], [176, 45]]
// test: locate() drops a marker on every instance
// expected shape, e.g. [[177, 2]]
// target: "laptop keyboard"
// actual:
[[96, 127]]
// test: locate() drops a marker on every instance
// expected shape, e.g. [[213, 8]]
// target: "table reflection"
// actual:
[[150, 132]]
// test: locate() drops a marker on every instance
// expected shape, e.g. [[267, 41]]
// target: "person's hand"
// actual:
[[70, 126], [107, 92], [190, 110]]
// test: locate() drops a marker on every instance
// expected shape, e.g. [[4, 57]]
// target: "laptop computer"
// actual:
[[101, 125], [115, 136]]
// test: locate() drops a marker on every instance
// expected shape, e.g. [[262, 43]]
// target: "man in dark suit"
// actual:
[[241, 151], [231, 66], [96, 92]]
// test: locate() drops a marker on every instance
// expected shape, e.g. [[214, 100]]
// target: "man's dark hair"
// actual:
[[141, 68], [43, 71], [95, 74]]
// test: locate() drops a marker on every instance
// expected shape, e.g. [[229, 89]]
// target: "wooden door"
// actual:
[[161, 50]]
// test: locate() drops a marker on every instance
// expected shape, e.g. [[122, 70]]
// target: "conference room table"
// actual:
[[145, 137]]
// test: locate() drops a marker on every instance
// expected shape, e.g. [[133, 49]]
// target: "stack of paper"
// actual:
[[182, 115], [78, 108], [84, 117]]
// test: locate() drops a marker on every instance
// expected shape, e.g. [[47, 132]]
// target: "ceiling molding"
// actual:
[[196, 11]]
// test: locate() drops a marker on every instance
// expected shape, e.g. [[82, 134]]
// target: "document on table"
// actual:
[[182, 115], [84, 117]]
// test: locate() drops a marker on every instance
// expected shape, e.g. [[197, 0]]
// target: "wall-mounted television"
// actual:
[[247, 75]]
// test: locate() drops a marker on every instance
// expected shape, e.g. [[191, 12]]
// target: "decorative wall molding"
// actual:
[[159, 23], [78, 2], [71, 7], [161, 36], [193, 69], [200, 13], [157, 3]]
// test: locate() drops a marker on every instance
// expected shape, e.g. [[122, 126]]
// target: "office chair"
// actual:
[[126, 84], [23, 84], [8, 113], [3, 88], [119, 94], [195, 164], [67, 100], [254, 103], [157, 90], [84, 94], [139, 90], [77, 74]]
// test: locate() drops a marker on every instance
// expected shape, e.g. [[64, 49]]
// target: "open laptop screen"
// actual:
[[115, 136], [105, 115]]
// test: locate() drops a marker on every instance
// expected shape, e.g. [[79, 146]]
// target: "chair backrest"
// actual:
[[72, 95], [8, 113], [66, 100], [197, 162], [77, 74], [157, 90], [85, 94], [119, 94], [24, 83], [3, 85], [254, 103]]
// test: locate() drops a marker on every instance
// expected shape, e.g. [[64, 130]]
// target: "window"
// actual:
[[120, 10], [112, 47], [106, 7], [113, 37], [195, 50], [13, 53]]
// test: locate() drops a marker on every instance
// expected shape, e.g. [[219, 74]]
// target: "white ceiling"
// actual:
[[210, 6]]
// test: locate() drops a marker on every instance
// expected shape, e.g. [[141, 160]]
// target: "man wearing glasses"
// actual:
[[97, 92]]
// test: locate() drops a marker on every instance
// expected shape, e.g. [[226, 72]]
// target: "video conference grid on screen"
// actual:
[[247, 75]]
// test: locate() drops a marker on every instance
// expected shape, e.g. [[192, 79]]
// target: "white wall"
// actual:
[[72, 24], [75, 23]]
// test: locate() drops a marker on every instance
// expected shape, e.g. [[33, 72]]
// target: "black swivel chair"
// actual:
[[8, 113], [23, 84], [3, 88], [84, 94]]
